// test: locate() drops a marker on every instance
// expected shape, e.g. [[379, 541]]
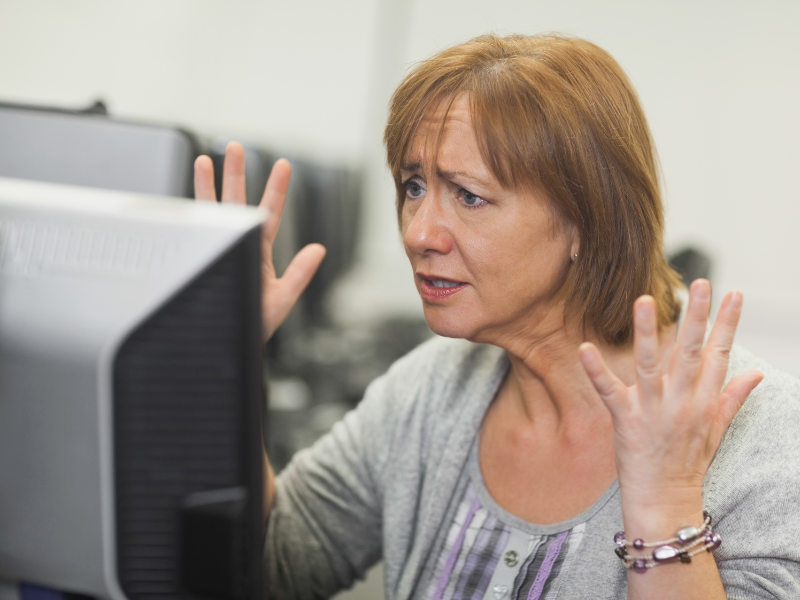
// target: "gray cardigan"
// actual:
[[380, 484]]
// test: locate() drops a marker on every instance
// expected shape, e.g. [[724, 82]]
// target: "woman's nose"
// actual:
[[427, 229]]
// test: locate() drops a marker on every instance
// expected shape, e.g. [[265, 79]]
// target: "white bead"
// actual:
[[687, 534]]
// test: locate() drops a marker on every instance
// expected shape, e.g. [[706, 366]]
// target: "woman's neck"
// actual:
[[548, 384], [547, 380], [547, 440]]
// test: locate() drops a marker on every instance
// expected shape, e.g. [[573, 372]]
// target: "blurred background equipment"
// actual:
[[86, 147], [323, 206], [691, 264]]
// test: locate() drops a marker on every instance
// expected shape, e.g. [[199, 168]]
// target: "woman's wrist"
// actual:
[[656, 516]]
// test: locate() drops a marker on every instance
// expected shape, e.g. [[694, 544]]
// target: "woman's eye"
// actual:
[[414, 189], [471, 199]]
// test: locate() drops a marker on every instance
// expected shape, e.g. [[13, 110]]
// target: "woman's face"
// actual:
[[488, 262]]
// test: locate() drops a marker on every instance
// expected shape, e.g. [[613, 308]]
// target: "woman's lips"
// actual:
[[433, 288]]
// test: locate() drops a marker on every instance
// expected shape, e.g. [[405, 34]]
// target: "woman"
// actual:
[[503, 466]]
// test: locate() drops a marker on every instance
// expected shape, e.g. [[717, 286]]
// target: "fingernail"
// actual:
[[645, 308], [736, 299], [702, 289], [585, 348]]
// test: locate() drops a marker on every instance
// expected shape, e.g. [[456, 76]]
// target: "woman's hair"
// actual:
[[558, 116]]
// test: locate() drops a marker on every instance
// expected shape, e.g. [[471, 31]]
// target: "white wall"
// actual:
[[720, 82], [292, 74]]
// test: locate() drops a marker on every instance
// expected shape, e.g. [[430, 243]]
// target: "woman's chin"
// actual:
[[448, 326]]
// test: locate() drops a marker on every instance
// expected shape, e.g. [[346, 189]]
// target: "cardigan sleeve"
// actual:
[[325, 529]]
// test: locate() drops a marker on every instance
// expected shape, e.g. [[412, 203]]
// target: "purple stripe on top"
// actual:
[[475, 555], [477, 582], [547, 566], [451, 560]]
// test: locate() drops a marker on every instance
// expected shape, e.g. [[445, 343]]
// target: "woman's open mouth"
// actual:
[[433, 288]]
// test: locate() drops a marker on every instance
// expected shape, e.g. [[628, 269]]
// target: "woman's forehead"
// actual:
[[445, 138], [446, 116], [456, 156]]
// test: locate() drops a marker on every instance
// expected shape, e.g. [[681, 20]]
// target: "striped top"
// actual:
[[489, 554]]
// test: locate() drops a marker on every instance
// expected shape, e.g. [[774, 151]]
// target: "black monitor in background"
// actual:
[[131, 390]]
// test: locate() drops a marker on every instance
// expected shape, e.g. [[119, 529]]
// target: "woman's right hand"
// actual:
[[280, 294]]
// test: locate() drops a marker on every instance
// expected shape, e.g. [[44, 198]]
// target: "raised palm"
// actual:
[[280, 294]]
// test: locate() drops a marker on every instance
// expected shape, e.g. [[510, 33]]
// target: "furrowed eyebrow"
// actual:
[[450, 175], [411, 167]]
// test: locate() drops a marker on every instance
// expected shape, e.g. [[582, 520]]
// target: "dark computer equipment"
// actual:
[[691, 264]]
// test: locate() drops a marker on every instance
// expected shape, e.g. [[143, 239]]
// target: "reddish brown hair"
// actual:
[[558, 115]]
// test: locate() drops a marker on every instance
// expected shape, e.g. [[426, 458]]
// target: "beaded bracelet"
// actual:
[[689, 538]]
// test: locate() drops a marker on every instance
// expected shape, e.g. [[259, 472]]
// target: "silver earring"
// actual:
[[574, 256]]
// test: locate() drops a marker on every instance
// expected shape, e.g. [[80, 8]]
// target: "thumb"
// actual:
[[610, 388], [733, 396], [280, 295]]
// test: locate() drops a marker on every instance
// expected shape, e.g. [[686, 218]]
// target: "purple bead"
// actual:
[[664, 553], [619, 539], [714, 540], [638, 543], [639, 565]]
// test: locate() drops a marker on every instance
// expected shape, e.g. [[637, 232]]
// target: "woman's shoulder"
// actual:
[[761, 448], [446, 358], [435, 386], [442, 370], [752, 488], [774, 404]]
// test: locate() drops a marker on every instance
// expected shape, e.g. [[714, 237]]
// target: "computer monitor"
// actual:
[[94, 150], [131, 388]]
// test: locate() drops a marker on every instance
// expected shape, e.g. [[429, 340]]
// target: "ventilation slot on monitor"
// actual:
[[187, 392]]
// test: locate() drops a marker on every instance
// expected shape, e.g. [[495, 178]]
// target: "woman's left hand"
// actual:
[[668, 425]]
